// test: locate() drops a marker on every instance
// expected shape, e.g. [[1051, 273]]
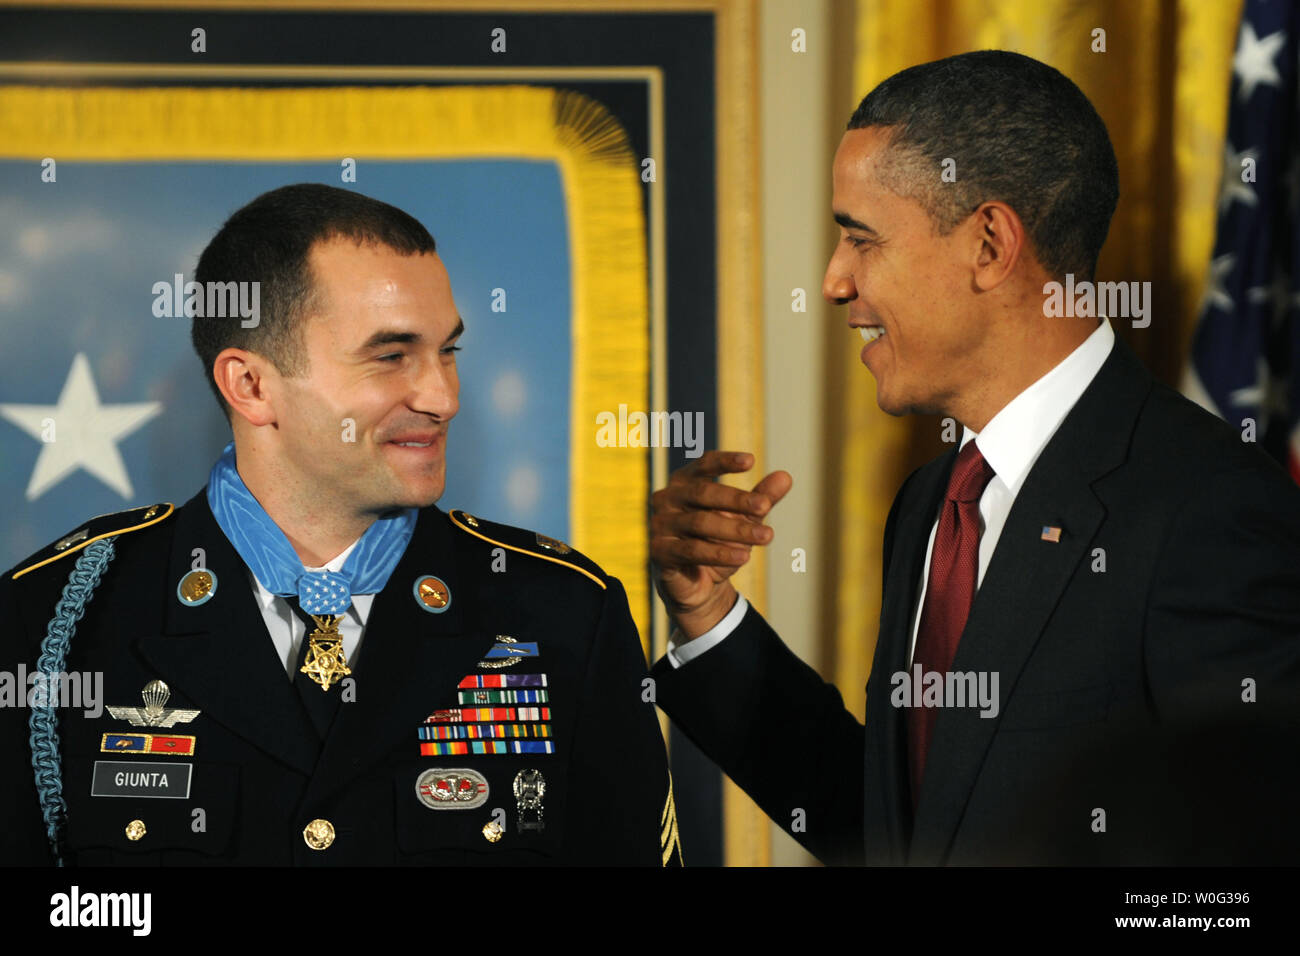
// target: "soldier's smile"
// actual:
[[417, 450]]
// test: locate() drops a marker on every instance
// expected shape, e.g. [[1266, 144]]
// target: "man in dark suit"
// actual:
[[309, 663], [1097, 557]]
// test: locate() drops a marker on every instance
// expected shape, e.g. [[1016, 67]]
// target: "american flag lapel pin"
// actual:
[[1051, 533]]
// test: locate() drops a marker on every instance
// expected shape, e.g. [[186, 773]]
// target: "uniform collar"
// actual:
[[361, 603]]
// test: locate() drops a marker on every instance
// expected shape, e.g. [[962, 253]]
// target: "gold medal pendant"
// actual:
[[325, 663]]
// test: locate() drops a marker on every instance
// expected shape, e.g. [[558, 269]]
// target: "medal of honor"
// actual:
[[325, 663]]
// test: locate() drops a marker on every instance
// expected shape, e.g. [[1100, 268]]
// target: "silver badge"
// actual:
[[154, 713], [455, 788], [500, 662], [530, 788]]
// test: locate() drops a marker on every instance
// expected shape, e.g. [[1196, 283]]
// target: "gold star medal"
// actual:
[[325, 663]]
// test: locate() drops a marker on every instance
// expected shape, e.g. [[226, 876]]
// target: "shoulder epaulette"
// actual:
[[527, 542], [97, 528]]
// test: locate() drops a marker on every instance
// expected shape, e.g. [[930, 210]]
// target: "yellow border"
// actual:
[[599, 175], [98, 537], [740, 333]]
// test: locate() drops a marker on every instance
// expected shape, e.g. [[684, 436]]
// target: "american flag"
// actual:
[[1245, 361]]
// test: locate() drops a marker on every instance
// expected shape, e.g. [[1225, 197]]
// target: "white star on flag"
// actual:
[[85, 433], [1278, 293], [1216, 296], [1232, 186], [1253, 63], [1268, 394]]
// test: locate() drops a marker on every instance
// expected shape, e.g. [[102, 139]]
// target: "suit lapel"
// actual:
[[410, 661], [886, 762], [219, 654], [1025, 581]]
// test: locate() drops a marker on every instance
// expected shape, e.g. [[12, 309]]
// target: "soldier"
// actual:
[[310, 663]]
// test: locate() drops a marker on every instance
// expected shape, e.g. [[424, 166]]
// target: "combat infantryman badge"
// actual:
[[155, 712], [325, 663], [507, 652]]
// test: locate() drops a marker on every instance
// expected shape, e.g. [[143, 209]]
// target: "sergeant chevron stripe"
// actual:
[[669, 840]]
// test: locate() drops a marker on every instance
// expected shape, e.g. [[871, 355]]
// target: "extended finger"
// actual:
[[714, 463], [668, 552], [718, 497], [713, 525], [773, 487]]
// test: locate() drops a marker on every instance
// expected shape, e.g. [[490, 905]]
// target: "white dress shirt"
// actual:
[[1011, 442], [288, 631]]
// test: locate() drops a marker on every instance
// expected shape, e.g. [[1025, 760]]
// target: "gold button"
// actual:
[[319, 834], [492, 831], [135, 830], [153, 510], [471, 521]]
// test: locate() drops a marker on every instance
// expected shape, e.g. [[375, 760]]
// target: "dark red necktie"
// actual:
[[949, 592]]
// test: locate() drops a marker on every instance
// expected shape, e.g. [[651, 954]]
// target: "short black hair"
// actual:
[[1019, 131], [269, 241]]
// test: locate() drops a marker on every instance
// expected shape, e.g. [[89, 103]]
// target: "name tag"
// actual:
[[138, 778]]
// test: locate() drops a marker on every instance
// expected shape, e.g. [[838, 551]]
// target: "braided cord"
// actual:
[[54, 657]]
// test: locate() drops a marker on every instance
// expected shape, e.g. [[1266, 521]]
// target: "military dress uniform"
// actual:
[[496, 716]]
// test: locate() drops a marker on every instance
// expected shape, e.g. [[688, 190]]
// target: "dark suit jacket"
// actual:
[[260, 770], [1200, 538]]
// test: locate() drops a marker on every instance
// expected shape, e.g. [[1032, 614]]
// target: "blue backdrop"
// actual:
[[78, 259]]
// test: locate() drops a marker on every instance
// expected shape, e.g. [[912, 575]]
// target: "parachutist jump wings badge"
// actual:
[[155, 712]]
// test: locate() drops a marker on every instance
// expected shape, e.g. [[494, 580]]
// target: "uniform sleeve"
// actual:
[[620, 787], [22, 828], [1224, 607]]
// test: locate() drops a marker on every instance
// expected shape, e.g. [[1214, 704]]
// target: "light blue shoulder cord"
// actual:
[[54, 657]]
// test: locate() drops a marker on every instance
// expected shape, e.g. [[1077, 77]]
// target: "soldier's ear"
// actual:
[[247, 381]]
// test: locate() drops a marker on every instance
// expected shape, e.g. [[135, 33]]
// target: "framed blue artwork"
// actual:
[[589, 175]]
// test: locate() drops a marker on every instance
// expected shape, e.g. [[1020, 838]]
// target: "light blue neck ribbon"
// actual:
[[271, 557]]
